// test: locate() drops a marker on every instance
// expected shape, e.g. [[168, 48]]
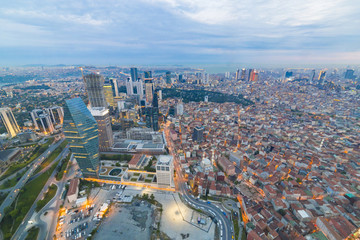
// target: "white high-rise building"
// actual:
[[165, 171], [180, 109], [9, 121]]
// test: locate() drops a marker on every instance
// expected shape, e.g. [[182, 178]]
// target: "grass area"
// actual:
[[12, 182], [87, 186], [243, 236], [116, 157], [35, 154], [32, 233], [15, 213], [47, 197], [148, 180], [136, 174], [52, 156], [62, 168], [133, 179], [236, 227], [2, 197]]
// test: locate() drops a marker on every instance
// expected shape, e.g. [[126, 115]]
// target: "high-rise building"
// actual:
[[95, 89], [165, 170], [109, 95], [349, 74], [198, 134], [129, 87], [227, 75], [114, 85], [168, 77], [103, 120], [81, 131], [321, 76], [155, 100], [148, 74], [243, 73], [180, 109], [134, 74], [138, 88], [56, 114], [9, 121], [42, 121], [312, 77], [255, 77], [237, 74], [180, 78], [152, 118], [149, 90], [250, 74]]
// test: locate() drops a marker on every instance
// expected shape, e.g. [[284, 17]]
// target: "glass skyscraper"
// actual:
[[81, 131], [94, 87]]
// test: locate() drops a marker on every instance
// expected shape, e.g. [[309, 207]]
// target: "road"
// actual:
[[21, 231], [15, 190], [224, 223]]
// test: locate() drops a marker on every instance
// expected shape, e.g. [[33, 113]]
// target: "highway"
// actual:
[[224, 224], [21, 231], [16, 189]]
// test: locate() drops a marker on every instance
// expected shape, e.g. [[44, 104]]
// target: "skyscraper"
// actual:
[[180, 78], [288, 74], [149, 90], [56, 114], [312, 77], [321, 76], [9, 121], [349, 74], [103, 120], [94, 86], [81, 131], [250, 74], [42, 121], [129, 87], [152, 118], [168, 77], [243, 73], [134, 74], [113, 83], [198, 134], [109, 95], [237, 75]]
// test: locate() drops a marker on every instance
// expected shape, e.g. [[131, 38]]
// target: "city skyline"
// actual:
[[201, 32]]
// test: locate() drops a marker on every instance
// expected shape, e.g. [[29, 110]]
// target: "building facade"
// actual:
[[95, 88], [103, 120], [9, 121], [81, 131], [165, 171]]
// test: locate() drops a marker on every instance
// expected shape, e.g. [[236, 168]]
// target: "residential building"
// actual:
[[103, 120], [9, 121]]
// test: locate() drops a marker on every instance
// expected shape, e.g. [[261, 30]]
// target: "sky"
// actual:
[[184, 32]]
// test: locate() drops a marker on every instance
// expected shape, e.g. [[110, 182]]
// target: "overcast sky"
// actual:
[[152, 32]]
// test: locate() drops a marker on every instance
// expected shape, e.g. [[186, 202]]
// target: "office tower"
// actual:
[[171, 111], [180, 78], [94, 87], [149, 90], [81, 131], [165, 170], [138, 88], [168, 77], [113, 83], [42, 121], [134, 74], [129, 87], [255, 76], [312, 75], [148, 74], [152, 118], [321, 76], [109, 95], [103, 120], [198, 134], [160, 94], [237, 75], [288, 74], [349, 74], [243, 73], [56, 114], [227, 75], [9, 121], [250, 74]]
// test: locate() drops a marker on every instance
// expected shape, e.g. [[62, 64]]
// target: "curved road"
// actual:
[[224, 223]]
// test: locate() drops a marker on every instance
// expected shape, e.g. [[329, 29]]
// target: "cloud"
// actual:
[[182, 30]]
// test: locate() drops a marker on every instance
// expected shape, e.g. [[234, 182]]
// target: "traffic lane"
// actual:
[[215, 211]]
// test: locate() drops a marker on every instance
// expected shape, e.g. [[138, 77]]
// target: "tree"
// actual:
[[152, 197]]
